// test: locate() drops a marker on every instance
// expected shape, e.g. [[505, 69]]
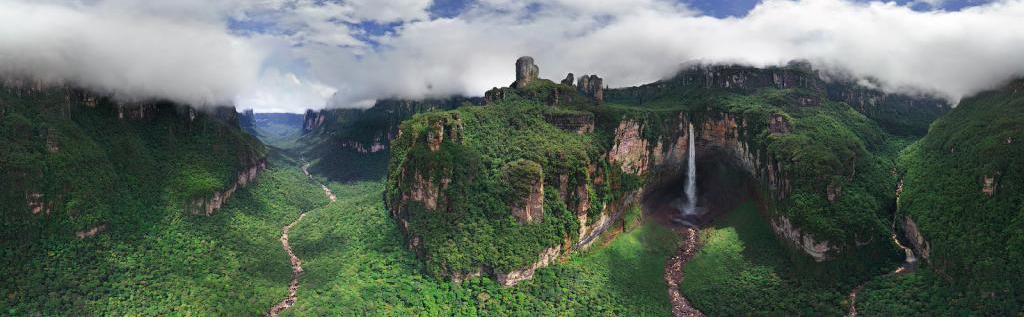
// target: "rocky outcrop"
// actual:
[[37, 204], [569, 80], [816, 249], [630, 149], [526, 72], [898, 113], [136, 111], [531, 209], [91, 232], [207, 206], [778, 124], [581, 123], [450, 127], [496, 95], [377, 146], [52, 144], [312, 120], [591, 86], [989, 185], [731, 78], [247, 120], [547, 257], [917, 240], [423, 191]]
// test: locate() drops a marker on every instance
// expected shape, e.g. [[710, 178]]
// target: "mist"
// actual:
[[286, 56]]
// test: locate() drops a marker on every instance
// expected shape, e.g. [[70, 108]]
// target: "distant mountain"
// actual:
[[333, 138]]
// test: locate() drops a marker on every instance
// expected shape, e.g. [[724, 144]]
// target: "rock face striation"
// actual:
[[97, 139], [630, 153], [592, 86], [208, 205], [526, 72]]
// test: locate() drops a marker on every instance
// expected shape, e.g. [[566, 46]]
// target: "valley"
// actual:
[[723, 191]]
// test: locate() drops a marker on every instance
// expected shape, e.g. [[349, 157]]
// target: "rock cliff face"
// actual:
[[313, 120], [897, 113], [92, 155], [917, 240], [752, 122], [658, 160], [579, 123], [207, 206], [526, 72], [592, 86]]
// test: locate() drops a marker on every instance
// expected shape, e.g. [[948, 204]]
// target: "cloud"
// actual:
[[130, 56], [951, 54], [250, 51]]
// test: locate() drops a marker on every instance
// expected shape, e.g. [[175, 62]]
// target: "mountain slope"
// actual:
[[963, 199], [546, 168], [115, 209]]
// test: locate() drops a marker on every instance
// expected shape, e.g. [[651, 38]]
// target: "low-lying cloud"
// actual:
[[301, 54], [129, 56]]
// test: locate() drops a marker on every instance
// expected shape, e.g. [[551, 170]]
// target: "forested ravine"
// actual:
[[674, 274], [293, 287], [907, 267]]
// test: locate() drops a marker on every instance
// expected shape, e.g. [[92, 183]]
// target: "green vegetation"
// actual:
[[227, 264], [836, 182], [479, 145], [743, 270], [132, 179], [827, 146], [333, 146], [921, 293], [280, 130], [976, 240], [356, 264]]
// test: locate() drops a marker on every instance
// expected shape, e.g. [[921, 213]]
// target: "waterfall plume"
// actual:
[[691, 176]]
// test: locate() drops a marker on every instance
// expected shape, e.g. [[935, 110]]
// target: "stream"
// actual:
[[674, 274], [293, 287], [909, 264]]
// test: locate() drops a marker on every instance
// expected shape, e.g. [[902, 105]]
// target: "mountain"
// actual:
[[545, 168], [100, 198], [333, 138], [961, 203]]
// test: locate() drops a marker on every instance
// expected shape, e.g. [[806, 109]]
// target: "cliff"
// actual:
[[816, 160], [333, 137], [78, 163], [960, 201]]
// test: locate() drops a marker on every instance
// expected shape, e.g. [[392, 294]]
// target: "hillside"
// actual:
[[961, 205], [113, 208], [334, 138], [545, 168]]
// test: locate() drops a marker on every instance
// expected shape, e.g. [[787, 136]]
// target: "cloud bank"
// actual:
[[130, 56], [288, 55]]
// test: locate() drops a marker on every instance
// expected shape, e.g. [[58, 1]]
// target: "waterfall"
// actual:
[[691, 177]]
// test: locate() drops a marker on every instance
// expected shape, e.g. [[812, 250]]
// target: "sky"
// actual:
[[290, 55]]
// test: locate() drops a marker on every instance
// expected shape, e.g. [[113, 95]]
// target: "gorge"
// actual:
[[717, 183]]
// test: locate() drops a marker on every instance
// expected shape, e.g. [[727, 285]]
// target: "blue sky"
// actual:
[[366, 30], [717, 8], [739, 8]]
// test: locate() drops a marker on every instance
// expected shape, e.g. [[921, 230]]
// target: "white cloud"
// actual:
[[949, 53], [130, 56], [283, 92], [181, 49]]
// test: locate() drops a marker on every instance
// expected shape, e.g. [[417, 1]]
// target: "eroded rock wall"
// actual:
[[208, 205]]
